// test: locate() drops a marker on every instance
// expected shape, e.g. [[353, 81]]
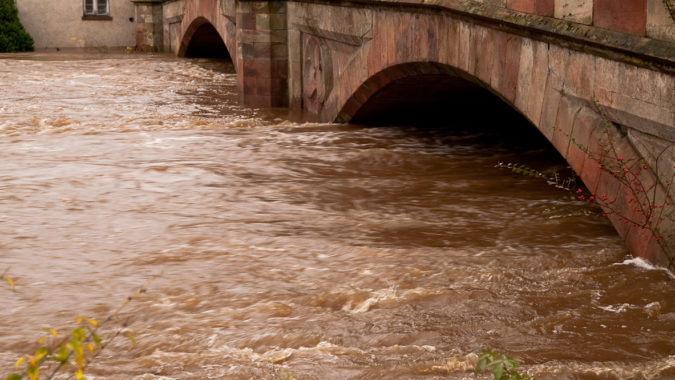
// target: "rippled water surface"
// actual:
[[317, 250]]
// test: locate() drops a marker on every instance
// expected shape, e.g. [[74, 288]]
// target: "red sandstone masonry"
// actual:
[[593, 172], [580, 75], [585, 137], [549, 109], [568, 108], [263, 60], [433, 36], [483, 53], [624, 15], [537, 7], [580, 133], [448, 42], [532, 79], [464, 46], [507, 67]]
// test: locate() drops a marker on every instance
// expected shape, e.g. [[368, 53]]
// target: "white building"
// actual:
[[78, 23]]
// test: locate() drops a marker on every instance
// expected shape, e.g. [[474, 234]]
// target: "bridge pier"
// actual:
[[262, 53]]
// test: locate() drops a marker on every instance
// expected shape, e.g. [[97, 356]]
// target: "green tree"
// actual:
[[13, 36]]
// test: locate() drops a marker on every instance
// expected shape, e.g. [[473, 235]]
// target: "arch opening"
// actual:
[[440, 104], [428, 95], [206, 42]]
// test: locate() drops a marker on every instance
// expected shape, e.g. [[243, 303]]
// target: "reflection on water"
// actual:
[[331, 251]]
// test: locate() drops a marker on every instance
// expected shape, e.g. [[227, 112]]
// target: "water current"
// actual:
[[279, 247]]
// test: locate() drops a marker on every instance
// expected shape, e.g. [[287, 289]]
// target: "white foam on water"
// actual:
[[618, 308], [659, 368], [389, 294], [267, 249], [275, 355], [459, 363], [378, 296], [644, 264]]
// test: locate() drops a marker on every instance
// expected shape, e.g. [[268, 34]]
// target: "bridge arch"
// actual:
[[531, 77], [202, 39], [415, 92], [203, 31]]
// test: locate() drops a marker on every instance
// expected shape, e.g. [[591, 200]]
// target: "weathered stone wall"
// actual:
[[149, 25], [173, 14], [60, 24], [320, 48], [262, 53], [184, 17]]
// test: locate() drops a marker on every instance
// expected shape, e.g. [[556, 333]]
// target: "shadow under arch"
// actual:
[[429, 93], [203, 40], [412, 92]]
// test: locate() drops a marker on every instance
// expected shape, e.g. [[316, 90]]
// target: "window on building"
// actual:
[[95, 7]]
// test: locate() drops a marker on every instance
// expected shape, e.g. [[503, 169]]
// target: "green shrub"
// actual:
[[503, 367], [13, 36]]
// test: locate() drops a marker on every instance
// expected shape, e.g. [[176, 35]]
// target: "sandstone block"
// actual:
[[246, 20], [626, 16], [447, 47], [464, 46], [660, 24], [580, 11], [580, 74], [568, 108], [483, 53], [549, 109], [537, 7], [532, 75]]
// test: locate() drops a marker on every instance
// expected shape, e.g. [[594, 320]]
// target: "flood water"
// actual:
[[321, 251]]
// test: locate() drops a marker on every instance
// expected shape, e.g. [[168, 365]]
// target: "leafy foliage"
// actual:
[[76, 348], [13, 37], [286, 375], [8, 279], [503, 367], [74, 351]]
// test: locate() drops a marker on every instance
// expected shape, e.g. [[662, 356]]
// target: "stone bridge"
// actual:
[[595, 77]]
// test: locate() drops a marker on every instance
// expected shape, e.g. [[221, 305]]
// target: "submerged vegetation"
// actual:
[[13, 37]]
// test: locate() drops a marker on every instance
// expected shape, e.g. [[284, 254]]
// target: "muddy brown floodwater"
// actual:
[[327, 251]]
